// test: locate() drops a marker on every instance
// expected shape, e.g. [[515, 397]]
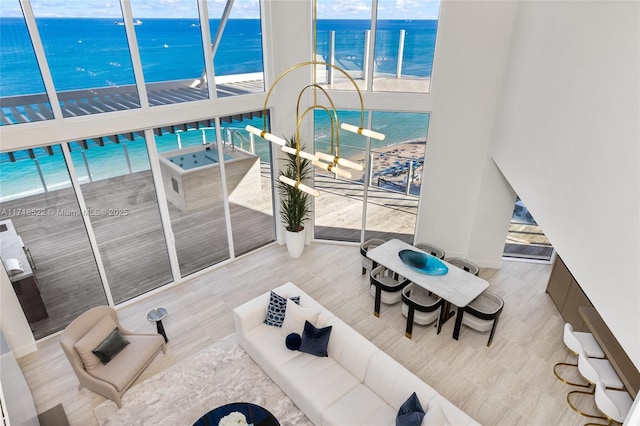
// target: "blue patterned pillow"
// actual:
[[277, 308]]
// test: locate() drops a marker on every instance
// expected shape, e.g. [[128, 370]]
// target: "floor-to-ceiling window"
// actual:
[[90, 55], [392, 53], [405, 45], [22, 89], [396, 166], [42, 227], [390, 182], [525, 239], [88, 58], [236, 45], [191, 178], [338, 209], [119, 192], [171, 53], [384, 46], [249, 183]]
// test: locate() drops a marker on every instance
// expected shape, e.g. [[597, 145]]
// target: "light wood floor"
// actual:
[[509, 383]]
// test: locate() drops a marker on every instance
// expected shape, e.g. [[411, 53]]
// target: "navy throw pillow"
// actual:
[[277, 308], [315, 340], [293, 341], [410, 412]]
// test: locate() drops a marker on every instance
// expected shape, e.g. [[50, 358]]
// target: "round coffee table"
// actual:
[[255, 414]]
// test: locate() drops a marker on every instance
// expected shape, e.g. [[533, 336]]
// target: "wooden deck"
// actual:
[[132, 245]]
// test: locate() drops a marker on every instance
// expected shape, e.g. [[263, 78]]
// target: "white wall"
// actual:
[[567, 138], [13, 323], [466, 204], [289, 42]]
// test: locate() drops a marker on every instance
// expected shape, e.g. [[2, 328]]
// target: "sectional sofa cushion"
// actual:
[[359, 406], [267, 348], [314, 383], [393, 383], [435, 416], [349, 348]]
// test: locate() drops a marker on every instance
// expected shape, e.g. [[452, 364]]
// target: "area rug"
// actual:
[[219, 374]]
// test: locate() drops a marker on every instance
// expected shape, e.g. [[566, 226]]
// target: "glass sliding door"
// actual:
[[249, 184], [42, 227], [396, 166], [120, 196], [191, 178], [338, 209]]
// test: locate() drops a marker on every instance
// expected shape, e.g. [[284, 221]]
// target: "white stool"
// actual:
[[595, 370], [576, 341], [614, 404]]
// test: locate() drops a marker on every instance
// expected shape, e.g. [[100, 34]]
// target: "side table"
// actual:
[[157, 315]]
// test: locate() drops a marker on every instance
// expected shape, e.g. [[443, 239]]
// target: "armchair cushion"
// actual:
[[111, 346], [125, 368], [96, 335]]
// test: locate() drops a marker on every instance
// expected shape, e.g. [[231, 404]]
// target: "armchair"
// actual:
[[112, 379]]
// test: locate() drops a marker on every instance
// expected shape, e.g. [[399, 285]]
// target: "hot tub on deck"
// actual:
[[191, 176]]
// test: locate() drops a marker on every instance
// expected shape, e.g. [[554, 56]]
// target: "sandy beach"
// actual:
[[393, 164]]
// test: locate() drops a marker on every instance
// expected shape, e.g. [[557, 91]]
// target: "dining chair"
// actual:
[[594, 370], [483, 314], [576, 341], [367, 264], [385, 286], [421, 306], [464, 264], [431, 249]]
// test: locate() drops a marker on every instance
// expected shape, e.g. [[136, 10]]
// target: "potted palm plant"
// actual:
[[295, 205]]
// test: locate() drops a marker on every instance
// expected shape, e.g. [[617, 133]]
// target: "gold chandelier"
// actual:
[[331, 161]]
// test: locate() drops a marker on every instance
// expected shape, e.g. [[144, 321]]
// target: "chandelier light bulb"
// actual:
[[361, 131]]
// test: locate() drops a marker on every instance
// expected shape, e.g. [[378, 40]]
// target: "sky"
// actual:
[[327, 9]]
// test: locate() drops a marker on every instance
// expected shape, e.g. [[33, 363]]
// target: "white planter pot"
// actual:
[[295, 242]]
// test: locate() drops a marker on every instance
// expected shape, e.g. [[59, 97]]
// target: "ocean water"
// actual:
[[87, 53]]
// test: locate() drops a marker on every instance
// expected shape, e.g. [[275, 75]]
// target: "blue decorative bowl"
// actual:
[[423, 262]]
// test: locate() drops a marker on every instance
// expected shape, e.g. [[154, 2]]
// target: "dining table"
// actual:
[[457, 286]]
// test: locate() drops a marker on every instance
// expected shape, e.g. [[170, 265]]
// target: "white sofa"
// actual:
[[357, 384]]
